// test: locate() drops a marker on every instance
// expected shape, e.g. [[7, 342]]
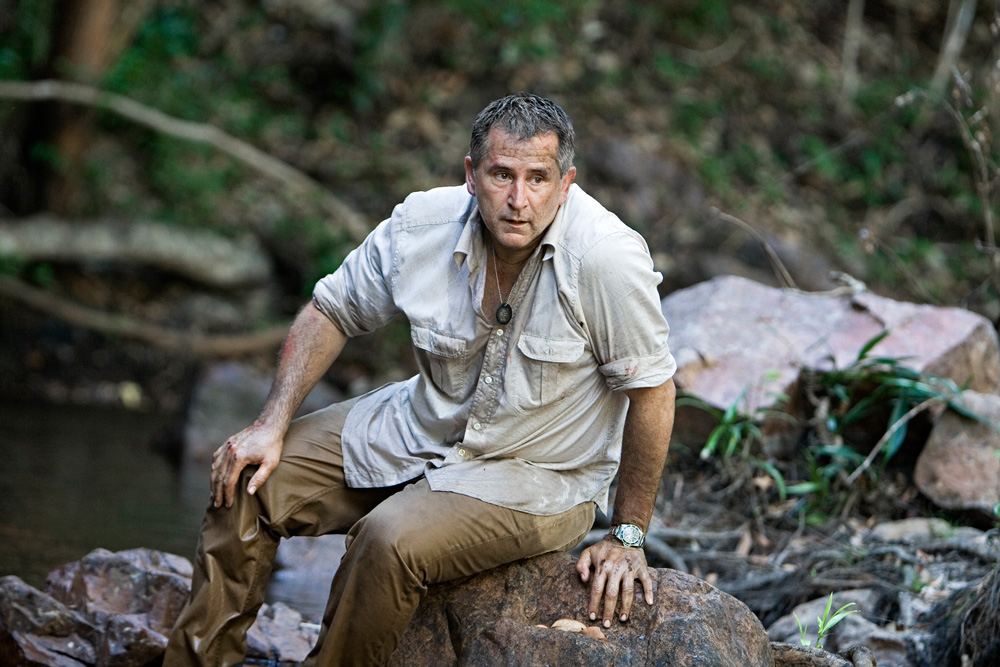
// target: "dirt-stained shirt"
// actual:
[[527, 415]]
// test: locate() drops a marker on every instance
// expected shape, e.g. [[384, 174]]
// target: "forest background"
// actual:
[[846, 136]]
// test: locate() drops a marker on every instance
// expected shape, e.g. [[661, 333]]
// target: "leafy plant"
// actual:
[[825, 622], [870, 384], [735, 434]]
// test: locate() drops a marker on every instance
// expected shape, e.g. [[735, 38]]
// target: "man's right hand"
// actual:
[[258, 445]]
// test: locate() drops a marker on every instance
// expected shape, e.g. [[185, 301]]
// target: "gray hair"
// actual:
[[526, 116]]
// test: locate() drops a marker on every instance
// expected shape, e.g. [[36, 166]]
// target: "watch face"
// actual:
[[629, 535]]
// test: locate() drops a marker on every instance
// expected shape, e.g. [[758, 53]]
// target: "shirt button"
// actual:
[[499, 332], [477, 426], [463, 452], [488, 380]]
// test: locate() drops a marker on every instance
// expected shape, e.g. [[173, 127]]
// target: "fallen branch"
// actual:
[[199, 255], [204, 345], [139, 113]]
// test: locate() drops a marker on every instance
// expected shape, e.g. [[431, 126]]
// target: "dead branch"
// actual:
[[852, 44], [296, 180], [205, 345], [913, 412], [784, 277], [959, 22], [203, 256]]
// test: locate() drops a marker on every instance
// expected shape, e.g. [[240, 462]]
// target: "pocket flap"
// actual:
[[548, 349], [437, 343]]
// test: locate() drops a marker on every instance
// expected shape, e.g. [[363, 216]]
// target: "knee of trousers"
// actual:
[[382, 540]]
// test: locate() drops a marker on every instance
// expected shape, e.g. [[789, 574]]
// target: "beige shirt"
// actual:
[[528, 416]]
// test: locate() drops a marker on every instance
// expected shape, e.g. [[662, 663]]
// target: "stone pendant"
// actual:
[[504, 313]]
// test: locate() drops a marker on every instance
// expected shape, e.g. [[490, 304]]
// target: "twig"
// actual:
[[206, 345], [913, 412], [852, 43], [665, 552], [960, 21], [784, 277], [139, 113]]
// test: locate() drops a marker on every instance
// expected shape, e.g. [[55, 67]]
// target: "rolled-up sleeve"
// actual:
[[619, 301], [357, 297]]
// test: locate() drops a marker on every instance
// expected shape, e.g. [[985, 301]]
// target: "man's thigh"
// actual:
[[448, 535]]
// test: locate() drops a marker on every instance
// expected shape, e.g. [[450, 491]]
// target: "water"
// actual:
[[73, 479]]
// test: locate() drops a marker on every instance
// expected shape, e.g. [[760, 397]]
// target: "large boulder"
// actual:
[[959, 467], [738, 341], [492, 619]]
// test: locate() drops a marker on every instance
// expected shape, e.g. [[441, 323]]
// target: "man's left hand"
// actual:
[[616, 568]]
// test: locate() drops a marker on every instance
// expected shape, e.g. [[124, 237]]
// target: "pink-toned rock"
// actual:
[[959, 467], [738, 340]]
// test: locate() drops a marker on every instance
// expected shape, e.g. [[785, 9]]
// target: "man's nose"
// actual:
[[518, 198]]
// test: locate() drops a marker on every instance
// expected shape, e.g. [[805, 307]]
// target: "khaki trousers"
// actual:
[[399, 540]]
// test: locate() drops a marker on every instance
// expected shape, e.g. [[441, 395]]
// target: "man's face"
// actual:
[[519, 189]]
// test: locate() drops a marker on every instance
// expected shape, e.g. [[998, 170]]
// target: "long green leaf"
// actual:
[[872, 343]]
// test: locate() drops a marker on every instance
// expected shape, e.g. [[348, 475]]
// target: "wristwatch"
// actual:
[[629, 534]]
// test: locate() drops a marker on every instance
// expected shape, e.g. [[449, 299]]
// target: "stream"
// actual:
[[75, 478]]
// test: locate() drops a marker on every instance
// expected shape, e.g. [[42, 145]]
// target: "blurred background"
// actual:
[[176, 175]]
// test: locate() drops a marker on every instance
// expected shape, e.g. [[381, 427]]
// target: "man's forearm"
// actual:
[[312, 345], [645, 441]]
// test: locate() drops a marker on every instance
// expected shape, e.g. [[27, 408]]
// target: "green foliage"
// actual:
[[736, 434], [870, 384], [826, 622], [24, 49]]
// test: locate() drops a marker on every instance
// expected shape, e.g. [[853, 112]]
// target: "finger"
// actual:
[[583, 565], [218, 467], [232, 471], [611, 594], [259, 477], [597, 589], [628, 594], [219, 460], [647, 584]]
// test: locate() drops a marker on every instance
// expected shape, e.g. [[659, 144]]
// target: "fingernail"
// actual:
[[624, 618], [607, 624], [593, 616]]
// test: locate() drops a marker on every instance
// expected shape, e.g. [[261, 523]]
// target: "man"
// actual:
[[543, 363]]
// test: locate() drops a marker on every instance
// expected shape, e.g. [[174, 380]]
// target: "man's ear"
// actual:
[[470, 176], [567, 180]]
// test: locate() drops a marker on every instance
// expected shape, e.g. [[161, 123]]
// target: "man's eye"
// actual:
[[537, 180]]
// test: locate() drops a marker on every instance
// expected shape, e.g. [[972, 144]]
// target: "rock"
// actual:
[[912, 529], [738, 341], [143, 582], [790, 655], [959, 466], [128, 640], [491, 619], [36, 629], [227, 399], [280, 634], [888, 646]]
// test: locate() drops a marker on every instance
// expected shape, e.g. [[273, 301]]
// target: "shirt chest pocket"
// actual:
[[540, 372], [443, 359]]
